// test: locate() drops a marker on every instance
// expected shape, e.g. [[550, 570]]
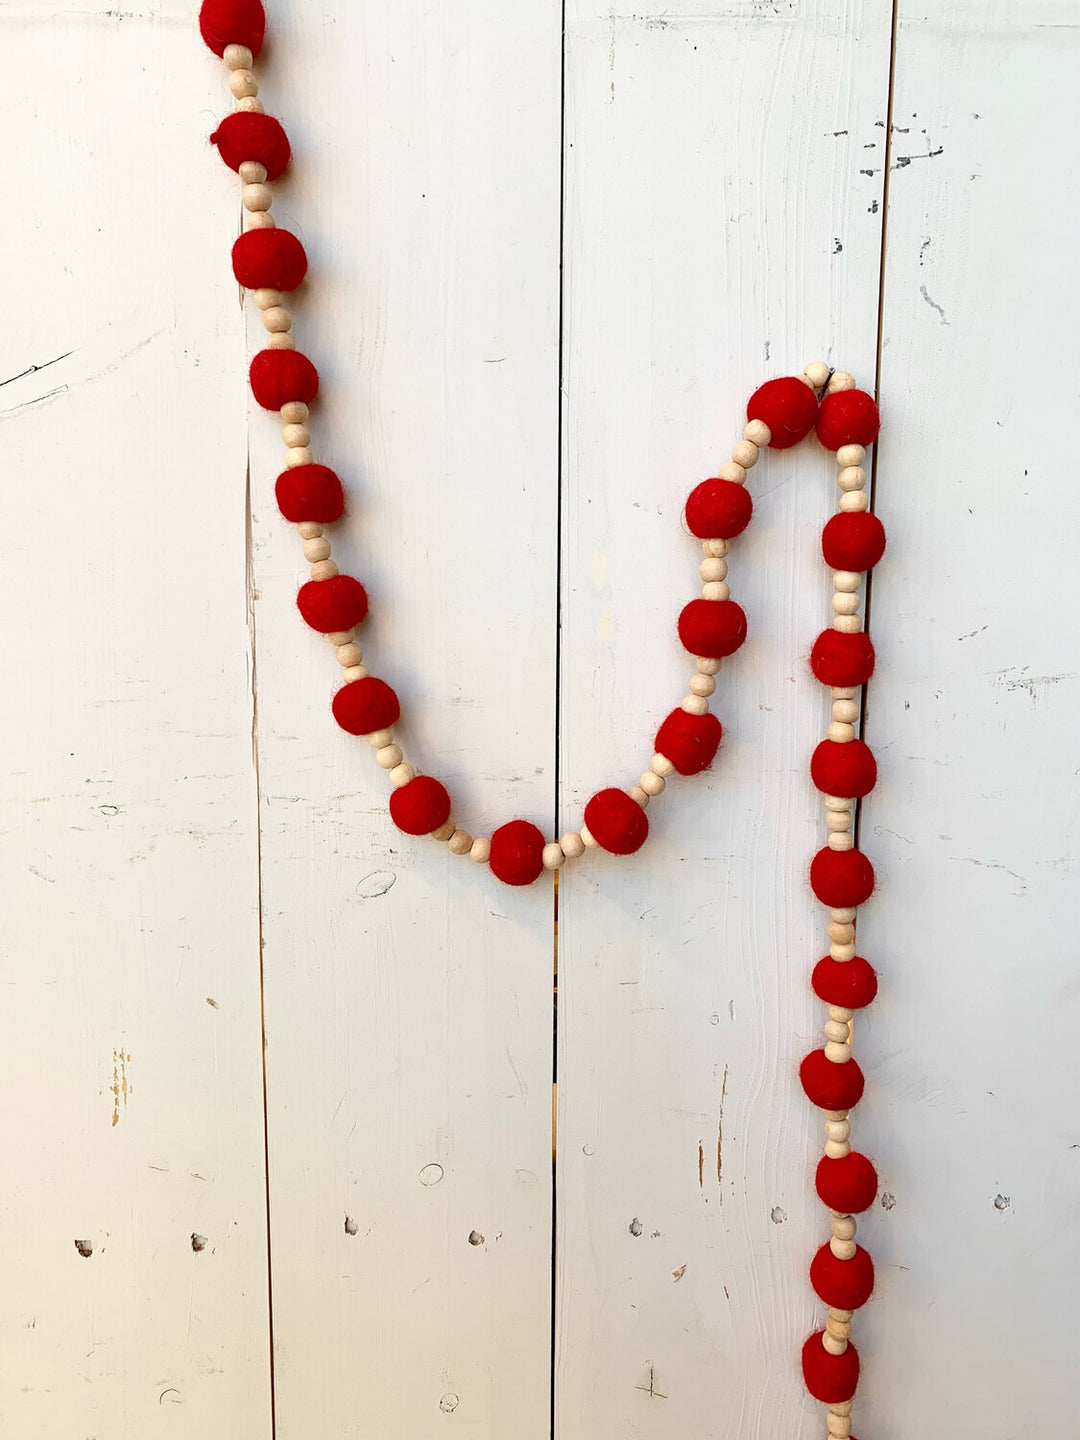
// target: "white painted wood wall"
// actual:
[[363, 1250]]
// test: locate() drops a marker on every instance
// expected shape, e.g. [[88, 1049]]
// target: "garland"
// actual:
[[272, 263]]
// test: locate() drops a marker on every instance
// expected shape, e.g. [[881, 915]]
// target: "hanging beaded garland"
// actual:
[[272, 262]]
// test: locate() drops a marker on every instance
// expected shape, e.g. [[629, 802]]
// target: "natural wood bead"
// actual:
[[378, 738], [252, 172], [841, 934], [843, 1226], [842, 952], [838, 821], [842, 1249], [298, 455], [323, 570], [444, 832], [481, 850], [552, 855], [339, 637], [587, 838], [847, 624], [257, 197], [349, 654], [837, 1149], [308, 530], [639, 795], [745, 453], [237, 57], [855, 500], [278, 317], [318, 549], [730, 470], [708, 665], [846, 711], [836, 1030], [460, 842], [716, 590], [293, 412], [389, 756], [853, 477], [281, 340], [572, 845], [848, 580], [355, 672], [844, 603], [652, 783], [839, 1329], [266, 300], [702, 685], [401, 775], [850, 455], [840, 1012], [260, 220], [842, 692], [838, 730], [758, 433], [249, 102], [715, 549], [837, 802], [841, 380], [710, 569], [841, 1407], [844, 915], [838, 1051], [661, 765], [817, 372], [841, 840], [837, 1130], [295, 436], [837, 1115], [839, 1425], [695, 704], [832, 1345], [241, 83]]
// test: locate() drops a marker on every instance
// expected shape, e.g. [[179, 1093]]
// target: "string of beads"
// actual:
[[272, 263]]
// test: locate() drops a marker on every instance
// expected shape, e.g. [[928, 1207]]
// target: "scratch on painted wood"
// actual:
[[120, 1087]]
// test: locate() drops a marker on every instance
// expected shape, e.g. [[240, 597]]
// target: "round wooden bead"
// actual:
[[708, 664], [355, 672], [731, 470], [319, 549], [662, 766], [308, 530], [587, 838], [652, 783], [847, 624], [640, 796], [401, 775], [388, 756], [257, 197], [252, 172], [841, 952], [837, 802], [841, 934], [837, 1149], [850, 455], [445, 831], [839, 731], [250, 103], [832, 1344], [716, 590], [845, 603], [841, 1012], [480, 851], [260, 220], [744, 453], [572, 845], [339, 637], [817, 372], [349, 654], [241, 83], [695, 705], [278, 318], [838, 1051], [855, 500], [460, 842], [298, 455], [715, 547], [841, 840], [758, 433], [843, 1226], [836, 1030], [552, 855], [711, 569], [837, 1130], [848, 580], [295, 437], [852, 477], [842, 1249], [702, 685], [839, 1425], [838, 821], [378, 738], [237, 57], [323, 570], [266, 300], [293, 412], [843, 914], [841, 380], [281, 340]]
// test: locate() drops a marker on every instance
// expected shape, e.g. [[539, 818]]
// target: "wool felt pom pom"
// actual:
[[278, 376], [268, 260], [232, 22], [249, 135], [616, 821], [713, 628], [420, 806], [830, 1086], [851, 983], [718, 509], [845, 768], [517, 851], [840, 878], [847, 1185], [335, 604], [690, 742], [848, 417], [853, 540], [842, 1284], [829, 1378], [840, 659], [788, 407], [366, 705], [310, 492]]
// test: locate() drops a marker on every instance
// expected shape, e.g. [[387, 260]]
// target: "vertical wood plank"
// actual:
[[128, 857], [972, 712], [408, 995], [723, 201]]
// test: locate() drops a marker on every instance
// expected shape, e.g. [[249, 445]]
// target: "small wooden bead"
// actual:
[[817, 372], [851, 479], [281, 340], [838, 1130], [389, 756], [340, 637], [847, 624], [843, 1226], [250, 102], [552, 856], [298, 455], [587, 838], [444, 832], [266, 300], [293, 412], [842, 952], [252, 172], [237, 57], [481, 850], [855, 500], [844, 603], [349, 654], [837, 1149], [460, 842], [260, 220], [841, 1407], [710, 569], [835, 1030], [841, 934], [652, 783], [702, 685], [716, 590], [639, 795], [843, 915], [837, 802], [661, 765], [839, 1425], [308, 530], [842, 692], [840, 1012], [840, 1330], [744, 453], [850, 455], [842, 1249], [841, 380], [846, 711], [707, 665], [401, 775], [355, 672], [838, 821], [837, 1115], [572, 845], [317, 549], [241, 83], [847, 580], [695, 704], [838, 1051], [758, 433], [732, 471], [840, 731], [277, 318], [378, 738], [841, 840], [257, 197], [323, 570], [715, 549], [832, 1345], [295, 436]]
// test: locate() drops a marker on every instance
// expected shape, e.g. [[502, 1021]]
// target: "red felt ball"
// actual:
[[616, 821], [846, 768], [268, 260], [420, 806], [232, 22], [689, 741], [842, 1284], [851, 983], [788, 407], [848, 417], [848, 1184], [841, 659], [310, 492], [851, 540], [517, 850], [250, 135], [335, 604], [829, 1378], [718, 509], [278, 376], [713, 628], [365, 705], [840, 878], [829, 1085]]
